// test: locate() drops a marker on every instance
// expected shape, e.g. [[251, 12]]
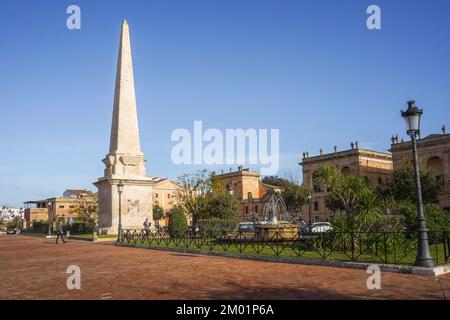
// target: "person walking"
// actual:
[[59, 232], [147, 225]]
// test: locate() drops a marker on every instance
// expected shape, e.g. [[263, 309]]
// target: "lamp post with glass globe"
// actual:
[[309, 211], [119, 191], [412, 120], [230, 192]]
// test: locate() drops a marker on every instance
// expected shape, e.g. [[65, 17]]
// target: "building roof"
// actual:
[[346, 153], [239, 172], [159, 180], [430, 139], [78, 192]]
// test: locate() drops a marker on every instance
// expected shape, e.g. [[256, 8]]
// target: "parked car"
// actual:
[[246, 227], [304, 227], [321, 227]]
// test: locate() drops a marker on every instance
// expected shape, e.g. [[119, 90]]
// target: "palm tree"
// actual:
[[349, 193]]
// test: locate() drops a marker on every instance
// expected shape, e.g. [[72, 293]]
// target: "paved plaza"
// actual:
[[34, 268]]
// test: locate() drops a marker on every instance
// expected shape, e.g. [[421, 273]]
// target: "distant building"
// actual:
[[374, 166], [434, 155], [249, 191], [164, 194], [62, 207], [78, 193]]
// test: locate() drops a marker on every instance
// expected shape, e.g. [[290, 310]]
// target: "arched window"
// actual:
[[346, 170], [434, 165]]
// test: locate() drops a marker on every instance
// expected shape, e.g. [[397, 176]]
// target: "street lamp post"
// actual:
[[119, 191], [412, 121], [309, 211], [49, 206], [230, 192]]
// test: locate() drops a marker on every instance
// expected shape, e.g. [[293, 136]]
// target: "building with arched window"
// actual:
[[374, 166], [249, 191], [434, 155]]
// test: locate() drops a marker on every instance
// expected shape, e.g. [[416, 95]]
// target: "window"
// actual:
[[81, 206], [256, 209], [346, 170], [249, 195], [168, 195], [156, 195], [316, 219], [317, 188], [380, 181], [316, 206], [246, 209], [71, 207], [435, 166], [61, 207]]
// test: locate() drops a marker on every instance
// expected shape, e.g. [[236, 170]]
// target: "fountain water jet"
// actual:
[[276, 223]]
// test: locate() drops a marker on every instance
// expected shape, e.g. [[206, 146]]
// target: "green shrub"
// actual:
[[40, 226], [79, 228], [216, 227], [436, 219], [177, 222]]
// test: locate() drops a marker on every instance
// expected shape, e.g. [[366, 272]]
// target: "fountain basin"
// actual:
[[277, 231]]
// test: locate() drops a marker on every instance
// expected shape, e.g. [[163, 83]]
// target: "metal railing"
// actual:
[[370, 247]]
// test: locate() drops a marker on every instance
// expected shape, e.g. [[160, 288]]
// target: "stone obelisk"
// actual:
[[125, 161]]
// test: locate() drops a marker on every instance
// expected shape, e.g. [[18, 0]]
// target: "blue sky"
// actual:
[[309, 68]]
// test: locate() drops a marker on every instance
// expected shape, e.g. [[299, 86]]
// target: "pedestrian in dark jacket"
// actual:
[[59, 232]]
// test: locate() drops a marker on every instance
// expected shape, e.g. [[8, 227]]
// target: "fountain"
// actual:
[[276, 223]]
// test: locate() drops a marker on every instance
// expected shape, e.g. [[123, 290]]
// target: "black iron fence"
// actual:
[[373, 247]]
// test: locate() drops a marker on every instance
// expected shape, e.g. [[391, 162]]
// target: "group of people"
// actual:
[[60, 230]]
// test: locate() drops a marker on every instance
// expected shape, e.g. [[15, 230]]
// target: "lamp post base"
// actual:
[[427, 263]]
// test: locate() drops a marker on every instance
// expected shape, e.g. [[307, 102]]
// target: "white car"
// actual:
[[321, 227]]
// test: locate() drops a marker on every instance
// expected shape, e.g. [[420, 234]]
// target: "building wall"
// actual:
[[35, 215], [59, 207], [434, 154], [375, 166], [248, 190], [165, 195]]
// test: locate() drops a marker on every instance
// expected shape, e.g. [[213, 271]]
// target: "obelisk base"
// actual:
[[136, 204]]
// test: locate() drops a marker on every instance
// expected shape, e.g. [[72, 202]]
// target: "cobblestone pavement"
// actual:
[[34, 268]]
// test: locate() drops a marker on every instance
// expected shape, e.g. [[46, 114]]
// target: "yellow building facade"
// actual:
[[249, 191], [165, 195], [434, 155], [374, 166]]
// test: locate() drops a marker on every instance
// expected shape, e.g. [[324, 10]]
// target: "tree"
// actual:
[[192, 197], [275, 181], [221, 205], [177, 222], [204, 197], [15, 223], [349, 193], [158, 213], [437, 219], [402, 186], [293, 194], [88, 213]]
